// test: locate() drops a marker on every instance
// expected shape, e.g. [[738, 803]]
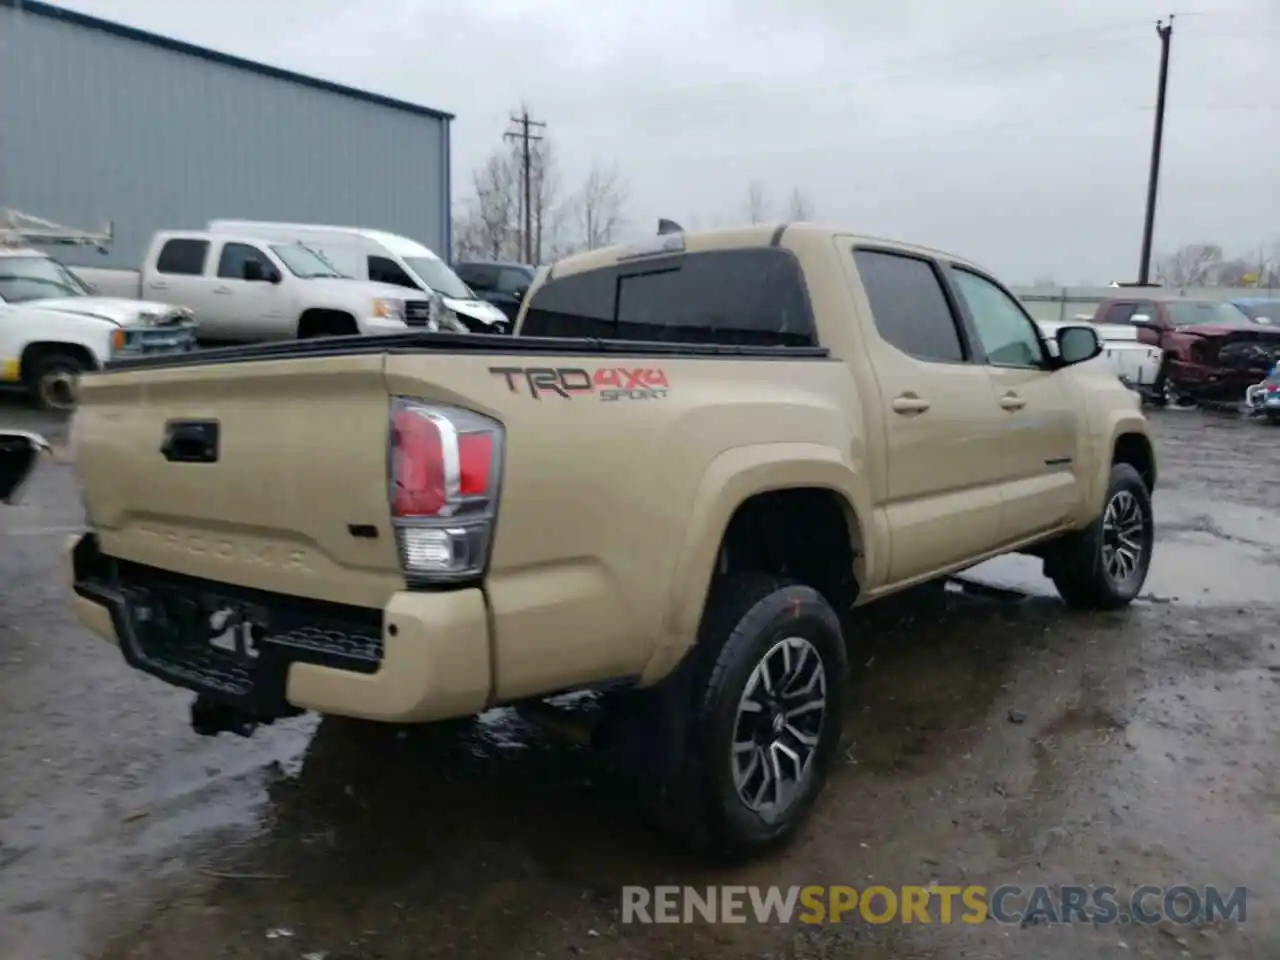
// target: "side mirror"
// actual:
[[1077, 344], [19, 452], [273, 275], [1143, 320], [251, 270]]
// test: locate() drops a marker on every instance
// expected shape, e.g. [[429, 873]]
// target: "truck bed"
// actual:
[[111, 282], [299, 454]]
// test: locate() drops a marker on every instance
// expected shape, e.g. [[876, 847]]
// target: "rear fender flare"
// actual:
[[732, 478]]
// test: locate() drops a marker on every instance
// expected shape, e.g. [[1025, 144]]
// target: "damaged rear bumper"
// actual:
[[425, 656]]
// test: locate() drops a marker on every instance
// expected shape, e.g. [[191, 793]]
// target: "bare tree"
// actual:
[[485, 228], [489, 224], [600, 206], [756, 207], [1194, 265], [801, 208]]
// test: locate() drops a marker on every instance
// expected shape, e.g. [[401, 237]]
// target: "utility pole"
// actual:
[[1165, 32], [526, 138]]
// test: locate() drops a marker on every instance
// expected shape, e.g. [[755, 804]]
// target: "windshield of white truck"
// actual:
[[305, 263], [37, 278], [438, 277]]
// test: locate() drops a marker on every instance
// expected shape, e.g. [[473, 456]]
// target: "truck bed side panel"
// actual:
[[599, 488]]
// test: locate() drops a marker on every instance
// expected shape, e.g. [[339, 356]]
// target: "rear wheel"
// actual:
[[758, 721], [1104, 566], [55, 381]]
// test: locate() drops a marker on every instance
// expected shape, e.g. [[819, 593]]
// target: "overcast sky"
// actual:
[[1017, 133]]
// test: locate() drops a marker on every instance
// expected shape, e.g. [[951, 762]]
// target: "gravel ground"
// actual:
[[995, 739]]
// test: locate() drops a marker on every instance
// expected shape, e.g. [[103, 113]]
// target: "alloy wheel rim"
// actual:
[[778, 725], [1123, 535]]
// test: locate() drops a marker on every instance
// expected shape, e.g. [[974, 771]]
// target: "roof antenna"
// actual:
[[668, 226]]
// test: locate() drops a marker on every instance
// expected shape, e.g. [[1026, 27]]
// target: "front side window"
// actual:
[[437, 275], [1119, 312], [749, 297], [235, 255], [908, 305], [386, 270], [1008, 336], [23, 279]]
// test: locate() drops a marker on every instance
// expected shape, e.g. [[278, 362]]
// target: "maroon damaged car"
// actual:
[[1212, 350]]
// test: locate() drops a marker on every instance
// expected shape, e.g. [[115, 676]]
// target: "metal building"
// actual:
[[101, 122]]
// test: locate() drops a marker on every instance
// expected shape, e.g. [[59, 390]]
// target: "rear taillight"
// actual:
[[444, 471]]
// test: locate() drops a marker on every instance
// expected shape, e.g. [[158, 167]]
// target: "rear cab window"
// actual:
[[743, 297], [184, 257]]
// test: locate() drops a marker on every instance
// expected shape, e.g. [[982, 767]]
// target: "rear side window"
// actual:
[[751, 297], [183, 257], [909, 307]]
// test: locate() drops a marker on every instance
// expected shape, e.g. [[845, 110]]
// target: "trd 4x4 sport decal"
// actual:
[[606, 383]]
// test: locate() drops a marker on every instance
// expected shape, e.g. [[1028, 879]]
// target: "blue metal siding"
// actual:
[[96, 124]]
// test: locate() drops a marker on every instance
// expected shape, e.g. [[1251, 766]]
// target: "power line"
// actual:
[[526, 139]]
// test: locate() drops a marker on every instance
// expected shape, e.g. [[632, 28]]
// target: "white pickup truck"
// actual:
[[1135, 362], [244, 289], [52, 328]]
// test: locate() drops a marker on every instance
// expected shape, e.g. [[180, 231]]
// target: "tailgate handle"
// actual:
[[190, 441]]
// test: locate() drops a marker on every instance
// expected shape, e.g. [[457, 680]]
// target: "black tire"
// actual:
[[748, 618], [54, 381], [1083, 568]]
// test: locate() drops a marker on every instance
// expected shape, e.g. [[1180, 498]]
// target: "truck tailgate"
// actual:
[[291, 495]]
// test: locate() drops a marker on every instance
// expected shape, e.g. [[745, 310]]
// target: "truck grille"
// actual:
[[417, 312], [142, 341]]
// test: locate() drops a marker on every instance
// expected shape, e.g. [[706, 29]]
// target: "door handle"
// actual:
[[158, 285], [221, 289], [1011, 401], [909, 403]]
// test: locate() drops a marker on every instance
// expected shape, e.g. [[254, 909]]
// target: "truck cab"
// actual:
[[246, 288], [379, 257]]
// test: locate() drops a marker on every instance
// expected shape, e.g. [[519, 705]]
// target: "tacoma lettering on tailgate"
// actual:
[[606, 383]]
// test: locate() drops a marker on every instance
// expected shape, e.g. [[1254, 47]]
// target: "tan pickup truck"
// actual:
[[696, 455]]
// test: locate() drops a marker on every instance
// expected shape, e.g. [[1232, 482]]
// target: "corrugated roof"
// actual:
[[204, 53]]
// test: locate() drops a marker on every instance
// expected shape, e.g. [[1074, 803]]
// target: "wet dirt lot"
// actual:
[[995, 740]]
